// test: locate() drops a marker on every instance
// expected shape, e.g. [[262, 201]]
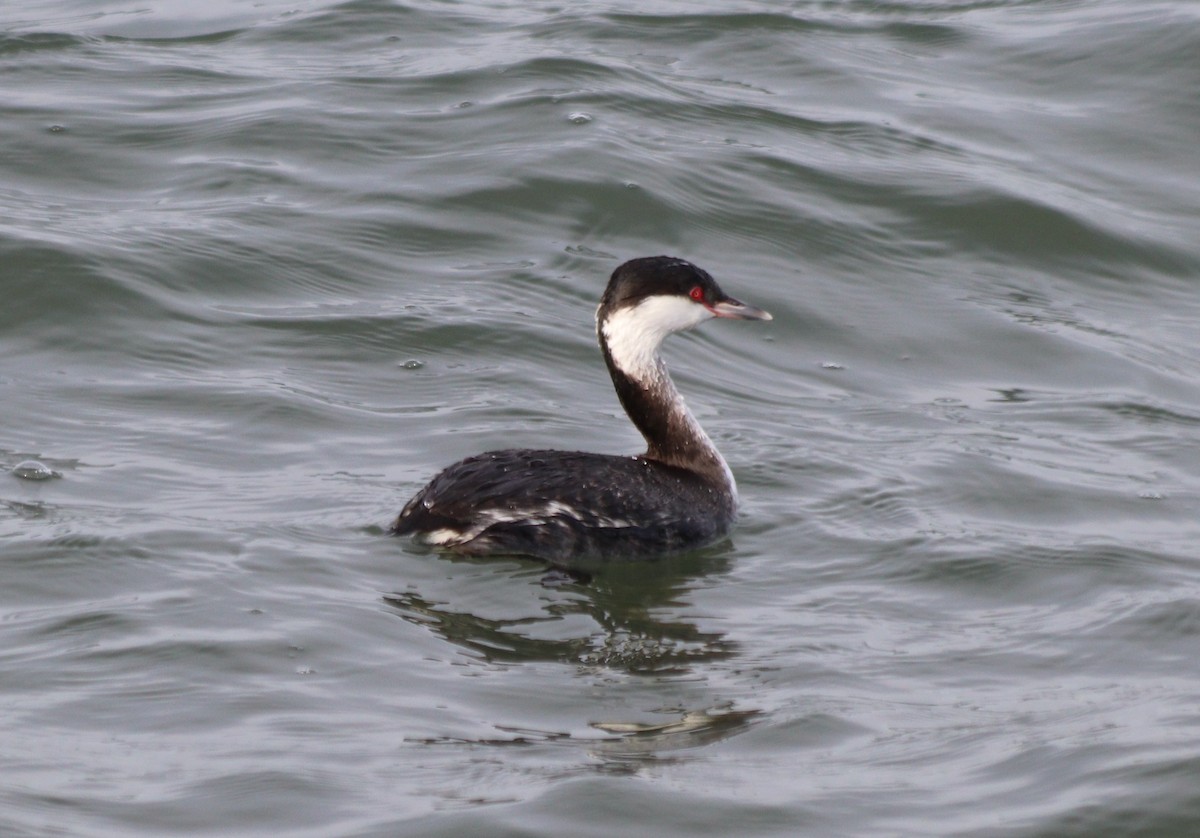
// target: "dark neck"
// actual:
[[673, 436]]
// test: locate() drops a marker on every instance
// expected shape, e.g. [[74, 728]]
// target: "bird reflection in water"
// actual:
[[631, 607], [632, 625]]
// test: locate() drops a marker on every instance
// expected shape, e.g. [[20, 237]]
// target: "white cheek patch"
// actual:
[[634, 334]]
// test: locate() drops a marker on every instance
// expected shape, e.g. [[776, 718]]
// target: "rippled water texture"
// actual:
[[265, 268]]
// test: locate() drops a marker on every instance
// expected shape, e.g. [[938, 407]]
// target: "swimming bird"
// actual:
[[571, 506]]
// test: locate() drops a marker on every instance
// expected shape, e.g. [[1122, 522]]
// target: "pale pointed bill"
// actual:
[[737, 310]]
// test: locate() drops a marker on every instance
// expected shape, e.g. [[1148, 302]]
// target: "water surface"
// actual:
[[266, 268]]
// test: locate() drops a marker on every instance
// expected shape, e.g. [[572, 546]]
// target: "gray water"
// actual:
[[265, 268]]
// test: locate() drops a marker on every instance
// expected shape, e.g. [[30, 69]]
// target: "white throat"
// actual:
[[634, 334]]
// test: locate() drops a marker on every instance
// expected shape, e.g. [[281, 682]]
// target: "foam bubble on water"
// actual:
[[33, 470]]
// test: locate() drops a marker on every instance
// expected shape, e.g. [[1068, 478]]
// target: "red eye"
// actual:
[[697, 294]]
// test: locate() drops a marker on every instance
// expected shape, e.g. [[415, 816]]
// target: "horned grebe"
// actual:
[[564, 506]]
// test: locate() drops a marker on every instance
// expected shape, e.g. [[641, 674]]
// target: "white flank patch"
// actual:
[[484, 518], [444, 536], [537, 516], [634, 334], [556, 507]]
